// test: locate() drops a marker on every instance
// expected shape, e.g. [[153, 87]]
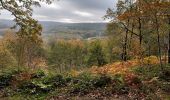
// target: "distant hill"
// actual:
[[64, 30]]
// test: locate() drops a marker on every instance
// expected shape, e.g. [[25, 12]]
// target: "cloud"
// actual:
[[53, 6], [66, 20], [75, 10], [4, 14], [83, 14], [72, 11]]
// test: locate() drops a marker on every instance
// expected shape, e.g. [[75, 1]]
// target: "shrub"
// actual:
[[82, 87], [82, 84], [34, 88], [68, 79], [56, 81], [102, 81], [147, 72], [85, 76], [165, 75], [132, 79], [119, 85], [96, 56], [38, 74], [5, 80], [86, 82], [165, 86]]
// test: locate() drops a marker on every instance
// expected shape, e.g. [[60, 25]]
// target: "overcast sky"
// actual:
[[70, 11]]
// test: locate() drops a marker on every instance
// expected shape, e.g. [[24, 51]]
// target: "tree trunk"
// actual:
[[140, 41], [159, 44], [125, 45], [169, 43], [140, 32], [131, 36], [21, 56]]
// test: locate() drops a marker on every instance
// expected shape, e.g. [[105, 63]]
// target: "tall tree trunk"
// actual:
[[125, 45], [169, 43], [131, 36], [159, 44], [140, 32], [140, 41]]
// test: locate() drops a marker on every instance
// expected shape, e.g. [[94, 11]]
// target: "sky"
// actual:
[[70, 11]]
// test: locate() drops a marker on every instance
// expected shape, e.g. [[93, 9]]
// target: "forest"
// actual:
[[130, 62]]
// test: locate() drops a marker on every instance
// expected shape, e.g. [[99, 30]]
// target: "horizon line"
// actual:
[[63, 21]]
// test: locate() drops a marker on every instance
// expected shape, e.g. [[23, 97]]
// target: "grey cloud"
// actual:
[[75, 10], [72, 10]]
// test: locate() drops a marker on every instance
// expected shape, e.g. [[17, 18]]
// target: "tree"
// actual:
[[22, 11], [156, 10], [7, 59], [66, 54], [143, 18], [96, 56], [29, 28]]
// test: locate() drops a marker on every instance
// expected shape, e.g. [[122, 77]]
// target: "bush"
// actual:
[[5, 80], [85, 83], [165, 75], [34, 88], [96, 56], [68, 79], [147, 72], [40, 84], [82, 87], [82, 84], [102, 81], [165, 87], [38, 74], [119, 86], [56, 81]]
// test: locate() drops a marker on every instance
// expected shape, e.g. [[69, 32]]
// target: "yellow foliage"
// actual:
[[122, 67], [76, 42], [74, 73], [151, 60], [38, 63]]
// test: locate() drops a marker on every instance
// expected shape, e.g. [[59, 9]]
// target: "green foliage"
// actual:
[[65, 55], [86, 82], [165, 86], [102, 81], [55, 81], [6, 59], [148, 72], [165, 75], [82, 87], [96, 55], [151, 71], [25, 51], [38, 74], [83, 84], [5, 80], [34, 88], [119, 85], [6, 77]]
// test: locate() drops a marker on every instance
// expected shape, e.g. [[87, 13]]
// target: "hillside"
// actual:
[[64, 30]]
